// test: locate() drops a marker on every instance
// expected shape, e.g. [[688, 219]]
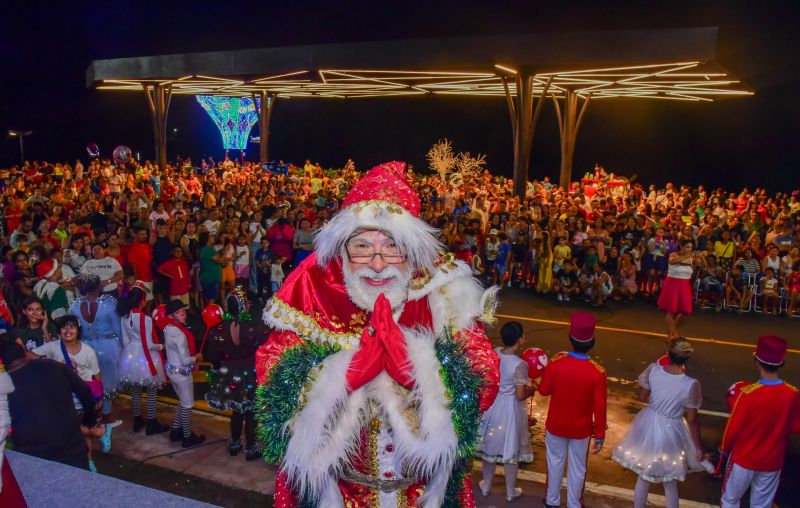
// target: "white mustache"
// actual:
[[387, 273]]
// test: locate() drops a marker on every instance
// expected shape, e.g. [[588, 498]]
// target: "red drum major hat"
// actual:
[[771, 349], [581, 326], [381, 200]]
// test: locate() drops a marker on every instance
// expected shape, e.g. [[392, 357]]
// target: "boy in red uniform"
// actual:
[[755, 439], [577, 388]]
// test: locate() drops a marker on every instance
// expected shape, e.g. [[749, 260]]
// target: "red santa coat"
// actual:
[[313, 305], [758, 429], [577, 389]]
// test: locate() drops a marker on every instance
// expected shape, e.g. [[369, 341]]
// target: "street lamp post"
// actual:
[[20, 135]]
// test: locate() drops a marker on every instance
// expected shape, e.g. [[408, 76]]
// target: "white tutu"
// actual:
[[658, 446], [134, 369], [505, 436]]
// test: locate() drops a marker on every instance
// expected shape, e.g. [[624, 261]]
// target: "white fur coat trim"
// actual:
[[414, 236], [428, 452], [278, 315], [456, 298], [326, 432]]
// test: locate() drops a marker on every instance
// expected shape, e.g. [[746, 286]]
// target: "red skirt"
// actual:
[[676, 296], [10, 496]]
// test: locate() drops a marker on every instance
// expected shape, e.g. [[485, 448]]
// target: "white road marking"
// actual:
[[639, 332]]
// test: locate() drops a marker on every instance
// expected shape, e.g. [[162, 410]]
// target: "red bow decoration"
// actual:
[[382, 347]]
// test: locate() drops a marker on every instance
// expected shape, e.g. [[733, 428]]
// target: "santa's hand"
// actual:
[[368, 361], [394, 343]]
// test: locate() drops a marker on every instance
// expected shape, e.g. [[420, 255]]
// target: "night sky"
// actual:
[[747, 141]]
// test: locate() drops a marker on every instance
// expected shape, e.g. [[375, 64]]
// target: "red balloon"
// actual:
[[212, 315], [160, 316], [733, 393], [536, 360]]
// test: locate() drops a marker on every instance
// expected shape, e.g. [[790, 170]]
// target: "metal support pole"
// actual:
[[264, 116], [569, 122], [21, 150], [523, 124], [158, 99]]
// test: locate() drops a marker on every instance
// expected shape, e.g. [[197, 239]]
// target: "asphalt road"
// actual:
[[630, 335]]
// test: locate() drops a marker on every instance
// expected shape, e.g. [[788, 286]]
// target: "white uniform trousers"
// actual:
[[575, 452], [763, 486], [184, 388]]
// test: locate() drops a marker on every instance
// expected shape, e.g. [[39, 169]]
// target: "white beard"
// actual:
[[364, 295]]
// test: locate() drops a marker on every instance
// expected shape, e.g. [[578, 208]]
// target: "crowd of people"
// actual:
[[89, 251], [594, 242]]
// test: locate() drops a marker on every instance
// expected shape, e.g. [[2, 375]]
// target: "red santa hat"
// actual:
[[382, 200], [46, 268]]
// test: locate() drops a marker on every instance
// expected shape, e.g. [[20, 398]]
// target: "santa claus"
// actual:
[[376, 372]]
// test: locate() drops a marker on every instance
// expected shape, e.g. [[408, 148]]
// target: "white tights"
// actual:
[[643, 486], [510, 472]]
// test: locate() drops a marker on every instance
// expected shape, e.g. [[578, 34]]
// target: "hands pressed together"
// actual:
[[382, 347]]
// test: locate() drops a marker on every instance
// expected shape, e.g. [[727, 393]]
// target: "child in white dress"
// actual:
[[141, 367], [663, 442], [505, 436]]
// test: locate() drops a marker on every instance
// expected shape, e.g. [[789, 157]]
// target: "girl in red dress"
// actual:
[[676, 293]]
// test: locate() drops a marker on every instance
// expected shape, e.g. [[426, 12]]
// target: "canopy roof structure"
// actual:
[[690, 81], [672, 64]]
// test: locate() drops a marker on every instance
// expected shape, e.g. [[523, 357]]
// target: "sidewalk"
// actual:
[[212, 463]]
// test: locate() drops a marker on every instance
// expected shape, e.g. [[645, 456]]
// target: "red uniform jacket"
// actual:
[[758, 429], [577, 387]]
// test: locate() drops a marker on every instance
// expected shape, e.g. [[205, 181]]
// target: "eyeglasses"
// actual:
[[362, 253]]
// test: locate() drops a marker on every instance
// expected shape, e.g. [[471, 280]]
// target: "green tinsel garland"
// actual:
[[278, 400], [462, 385], [243, 316]]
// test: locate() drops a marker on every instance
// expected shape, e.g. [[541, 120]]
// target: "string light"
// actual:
[[683, 81]]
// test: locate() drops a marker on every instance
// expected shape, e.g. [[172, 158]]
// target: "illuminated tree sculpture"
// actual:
[[467, 167], [234, 117], [441, 158]]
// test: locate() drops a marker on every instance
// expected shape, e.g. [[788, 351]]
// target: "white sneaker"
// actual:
[[485, 492], [517, 493], [509, 284], [560, 297], [566, 298]]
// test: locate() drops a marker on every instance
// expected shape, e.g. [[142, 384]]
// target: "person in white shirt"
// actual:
[[158, 213], [115, 183], [106, 267], [212, 224], [276, 273], [179, 343], [78, 170], [82, 358]]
